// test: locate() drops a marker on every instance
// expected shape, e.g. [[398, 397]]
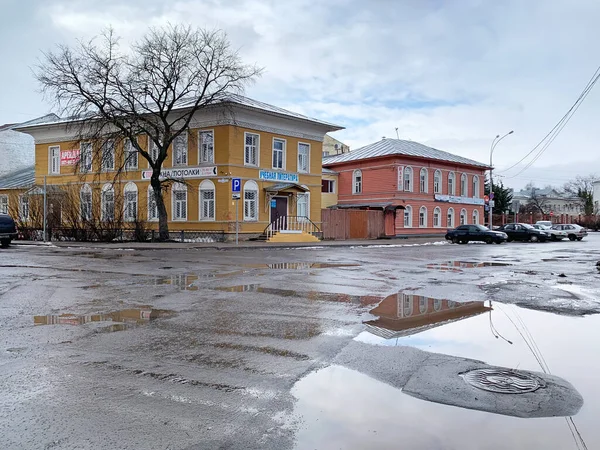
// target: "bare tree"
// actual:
[[536, 203], [583, 188], [153, 89]]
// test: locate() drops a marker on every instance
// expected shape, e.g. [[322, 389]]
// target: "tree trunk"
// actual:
[[163, 225]]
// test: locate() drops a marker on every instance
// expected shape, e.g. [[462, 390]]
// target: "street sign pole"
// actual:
[[236, 188], [237, 204], [45, 208]]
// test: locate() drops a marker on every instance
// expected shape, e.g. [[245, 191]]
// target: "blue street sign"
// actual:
[[236, 185], [273, 203]]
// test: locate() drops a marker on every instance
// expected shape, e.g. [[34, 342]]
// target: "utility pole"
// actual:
[[495, 142], [45, 209]]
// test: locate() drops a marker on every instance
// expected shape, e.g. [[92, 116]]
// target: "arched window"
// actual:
[[107, 203], [423, 304], [475, 186], [130, 202], [357, 182], [251, 200], [463, 185], [407, 217], [407, 305], [450, 218], [437, 304], [451, 183], [463, 216], [179, 201], [437, 217], [424, 180], [85, 202], [423, 217], [152, 207], [475, 217], [408, 176], [437, 182], [207, 200], [302, 205]]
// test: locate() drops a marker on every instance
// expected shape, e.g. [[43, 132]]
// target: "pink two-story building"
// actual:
[[423, 190]]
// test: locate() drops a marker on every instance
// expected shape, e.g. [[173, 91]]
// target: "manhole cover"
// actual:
[[503, 381]]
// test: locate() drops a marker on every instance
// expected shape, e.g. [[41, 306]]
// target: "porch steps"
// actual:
[[293, 237]]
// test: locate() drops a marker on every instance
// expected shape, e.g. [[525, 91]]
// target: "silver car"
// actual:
[[554, 235], [574, 232]]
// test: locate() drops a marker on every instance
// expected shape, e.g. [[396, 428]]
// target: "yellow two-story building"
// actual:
[[273, 156]]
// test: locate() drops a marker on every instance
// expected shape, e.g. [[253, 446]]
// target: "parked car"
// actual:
[[554, 235], [8, 230], [523, 232], [544, 223], [573, 231], [467, 233]]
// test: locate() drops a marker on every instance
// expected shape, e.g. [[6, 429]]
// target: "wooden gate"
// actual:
[[343, 224]]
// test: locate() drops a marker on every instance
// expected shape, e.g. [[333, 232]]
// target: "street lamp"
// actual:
[[495, 142]]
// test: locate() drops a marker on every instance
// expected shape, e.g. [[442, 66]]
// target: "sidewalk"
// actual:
[[244, 245]]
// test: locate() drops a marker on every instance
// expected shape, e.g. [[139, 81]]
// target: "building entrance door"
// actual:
[[279, 208]]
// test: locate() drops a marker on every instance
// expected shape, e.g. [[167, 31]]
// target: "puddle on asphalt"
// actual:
[[122, 319], [186, 281], [457, 266], [413, 333], [299, 266]]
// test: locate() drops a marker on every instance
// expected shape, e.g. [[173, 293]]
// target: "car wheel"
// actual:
[[509, 240], [498, 242], [454, 240], [579, 238], [5, 243], [572, 237], [533, 238], [489, 240], [553, 238]]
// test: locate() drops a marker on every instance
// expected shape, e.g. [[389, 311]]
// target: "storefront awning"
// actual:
[[286, 187]]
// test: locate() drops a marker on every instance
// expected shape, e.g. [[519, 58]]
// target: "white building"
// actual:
[[549, 200]]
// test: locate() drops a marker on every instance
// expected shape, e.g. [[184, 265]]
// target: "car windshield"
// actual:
[[526, 225], [481, 228]]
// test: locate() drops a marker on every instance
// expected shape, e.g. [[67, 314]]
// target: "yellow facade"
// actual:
[[330, 196]]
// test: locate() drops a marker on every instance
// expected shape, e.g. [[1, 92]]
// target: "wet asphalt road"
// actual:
[[279, 349]]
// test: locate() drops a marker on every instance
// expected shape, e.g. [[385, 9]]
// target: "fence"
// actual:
[[344, 224], [292, 224]]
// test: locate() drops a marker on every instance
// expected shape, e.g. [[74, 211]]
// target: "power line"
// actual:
[[555, 131]]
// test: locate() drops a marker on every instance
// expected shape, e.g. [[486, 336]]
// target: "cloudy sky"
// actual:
[[450, 74]]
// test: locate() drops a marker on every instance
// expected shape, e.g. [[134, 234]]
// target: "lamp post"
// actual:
[[495, 142]]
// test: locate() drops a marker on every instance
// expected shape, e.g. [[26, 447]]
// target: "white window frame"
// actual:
[[283, 151], [475, 217], [130, 188], [464, 185], [306, 198], [424, 180], [87, 214], [437, 182], [152, 206], [357, 186], [306, 145], [400, 178], [423, 215], [251, 186], [86, 165], [3, 204], [152, 149], [52, 159], [23, 209], [207, 147], [450, 215], [105, 189], [205, 187], [408, 219], [463, 213], [105, 153], [251, 147], [331, 183], [437, 217], [128, 151], [407, 181], [180, 150], [451, 180], [476, 186], [179, 187]]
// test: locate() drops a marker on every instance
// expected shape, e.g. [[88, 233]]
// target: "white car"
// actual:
[[574, 231], [547, 224], [554, 235]]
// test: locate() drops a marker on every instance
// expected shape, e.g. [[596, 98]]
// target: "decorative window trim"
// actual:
[[87, 167], [186, 150], [465, 215], [424, 184], [408, 171], [103, 216], [305, 195], [451, 176], [307, 170], [450, 214], [439, 189], [251, 186], [464, 178], [179, 187], [104, 152], [128, 150], [256, 149], [130, 188], [3, 204], [51, 148], [357, 187], [210, 160], [408, 209], [437, 211], [207, 186], [423, 210], [151, 199], [283, 153]]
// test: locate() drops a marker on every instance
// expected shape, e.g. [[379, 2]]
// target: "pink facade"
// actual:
[[412, 184]]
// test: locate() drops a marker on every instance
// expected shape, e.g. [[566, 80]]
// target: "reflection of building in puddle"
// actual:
[[299, 265], [187, 281], [311, 295], [125, 318], [457, 266], [403, 314]]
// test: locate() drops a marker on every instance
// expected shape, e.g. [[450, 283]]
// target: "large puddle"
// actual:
[[361, 401], [458, 266]]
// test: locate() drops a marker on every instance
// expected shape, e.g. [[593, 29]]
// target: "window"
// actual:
[[463, 216], [463, 185], [206, 152], [278, 153], [251, 149], [437, 304], [328, 186], [302, 205], [423, 217], [437, 216], [85, 156], [152, 206], [423, 305], [153, 149], [130, 202], [24, 207], [3, 204], [407, 305], [476, 217], [207, 200], [85, 202], [475, 186], [179, 201], [400, 177], [108, 155], [180, 149], [107, 203], [131, 155], [437, 182], [451, 183], [423, 180], [303, 157], [250, 201], [408, 174], [450, 218], [54, 153], [357, 182], [407, 217]]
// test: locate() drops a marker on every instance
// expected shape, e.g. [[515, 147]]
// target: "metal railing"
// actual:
[[291, 224]]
